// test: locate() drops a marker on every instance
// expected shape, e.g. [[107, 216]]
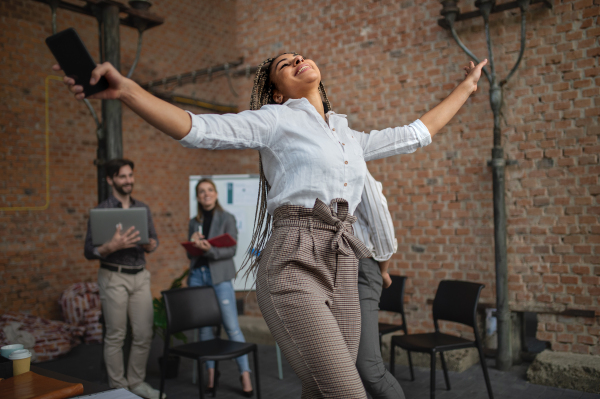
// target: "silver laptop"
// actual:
[[104, 223]]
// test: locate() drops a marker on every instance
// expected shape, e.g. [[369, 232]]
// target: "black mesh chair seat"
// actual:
[[215, 349], [196, 307], [431, 342], [389, 328], [454, 301]]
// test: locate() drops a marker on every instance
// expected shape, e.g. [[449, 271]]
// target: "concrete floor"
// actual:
[[84, 362]]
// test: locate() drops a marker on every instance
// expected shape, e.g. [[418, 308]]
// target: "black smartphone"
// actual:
[[75, 60]]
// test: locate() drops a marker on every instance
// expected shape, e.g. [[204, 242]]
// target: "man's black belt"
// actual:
[[121, 269]]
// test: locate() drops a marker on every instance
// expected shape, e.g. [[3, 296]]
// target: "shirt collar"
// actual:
[[114, 202], [305, 104]]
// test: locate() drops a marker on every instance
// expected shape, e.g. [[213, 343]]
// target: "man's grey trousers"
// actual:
[[376, 379]]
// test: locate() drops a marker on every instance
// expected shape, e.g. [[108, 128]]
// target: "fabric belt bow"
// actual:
[[344, 241]]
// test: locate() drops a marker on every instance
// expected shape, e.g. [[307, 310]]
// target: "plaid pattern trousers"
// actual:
[[307, 292]]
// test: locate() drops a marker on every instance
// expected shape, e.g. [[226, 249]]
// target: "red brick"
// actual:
[[440, 196]]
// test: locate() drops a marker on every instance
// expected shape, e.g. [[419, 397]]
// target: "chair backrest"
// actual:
[[191, 307], [392, 298], [457, 301]]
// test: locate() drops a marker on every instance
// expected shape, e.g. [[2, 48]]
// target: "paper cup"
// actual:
[[21, 361], [5, 351]]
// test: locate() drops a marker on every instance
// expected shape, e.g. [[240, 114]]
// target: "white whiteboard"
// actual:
[[237, 195]]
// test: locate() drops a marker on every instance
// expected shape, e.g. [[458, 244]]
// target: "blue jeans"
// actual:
[[200, 277]]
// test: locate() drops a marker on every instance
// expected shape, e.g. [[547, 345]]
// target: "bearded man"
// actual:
[[124, 285]]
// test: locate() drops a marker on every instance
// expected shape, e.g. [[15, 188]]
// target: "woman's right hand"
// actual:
[[117, 83], [166, 117], [197, 239]]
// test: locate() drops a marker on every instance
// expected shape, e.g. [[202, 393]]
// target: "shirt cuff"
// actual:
[[196, 133], [155, 248], [97, 253], [386, 256], [423, 134]]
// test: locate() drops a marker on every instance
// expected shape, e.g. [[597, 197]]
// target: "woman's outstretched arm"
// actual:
[[166, 117], [407, 139], [442, 113]]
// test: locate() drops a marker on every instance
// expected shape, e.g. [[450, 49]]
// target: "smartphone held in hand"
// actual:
[[75, 60]]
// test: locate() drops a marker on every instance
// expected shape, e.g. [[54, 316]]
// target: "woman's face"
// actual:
[[293, 77], [207, 196]]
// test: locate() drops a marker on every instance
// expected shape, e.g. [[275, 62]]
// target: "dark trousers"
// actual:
[[377, 380]]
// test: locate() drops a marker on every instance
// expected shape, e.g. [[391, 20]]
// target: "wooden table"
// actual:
[[88, 387]]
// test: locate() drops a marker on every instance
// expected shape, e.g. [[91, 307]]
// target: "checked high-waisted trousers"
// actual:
[[307, 292]]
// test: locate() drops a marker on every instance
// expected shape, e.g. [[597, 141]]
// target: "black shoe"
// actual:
[[212, 389], [249, 393]]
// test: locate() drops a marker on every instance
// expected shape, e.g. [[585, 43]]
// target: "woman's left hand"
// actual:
[[473, 73], [203, 244]]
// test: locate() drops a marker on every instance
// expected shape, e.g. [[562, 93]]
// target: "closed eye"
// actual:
[[283, 66]]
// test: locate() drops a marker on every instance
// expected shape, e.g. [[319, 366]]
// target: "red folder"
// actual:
[[224, 240]]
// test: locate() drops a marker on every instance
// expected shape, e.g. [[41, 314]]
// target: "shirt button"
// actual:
[[346, 162], [345, 184], [333, 129], [343, 143]]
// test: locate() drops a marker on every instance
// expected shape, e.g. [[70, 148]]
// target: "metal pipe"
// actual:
[[101, 184], [496, 9], [53, 19], [504, 353], [490, 50], [111, 109], [229, 80], [137, 53], [523, 39], [486, 7], [468, 52], [190, 77]]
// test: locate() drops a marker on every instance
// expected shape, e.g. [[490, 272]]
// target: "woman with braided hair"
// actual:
[[312, 168]]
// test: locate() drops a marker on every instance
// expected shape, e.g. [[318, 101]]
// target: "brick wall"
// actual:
[[384, 63], [41, 251], [387, 62]]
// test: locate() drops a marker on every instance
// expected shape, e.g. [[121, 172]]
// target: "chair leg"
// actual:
[[432, 377], [201, 378], [216, 380], [410, 366], [445, 370], [279, 366], [392, 358], [163, 372], [485, 371], [162, 377], [256, 372]]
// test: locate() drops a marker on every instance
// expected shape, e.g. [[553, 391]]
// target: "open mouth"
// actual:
[[302, 69]]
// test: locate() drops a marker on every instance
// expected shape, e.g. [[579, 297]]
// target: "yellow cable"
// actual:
[[45, 206]]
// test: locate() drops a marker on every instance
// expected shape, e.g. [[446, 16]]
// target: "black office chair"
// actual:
[[392, 300], [454, 301], [195, 307]]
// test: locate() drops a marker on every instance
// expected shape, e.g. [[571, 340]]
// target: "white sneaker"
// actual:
[[146, 391]]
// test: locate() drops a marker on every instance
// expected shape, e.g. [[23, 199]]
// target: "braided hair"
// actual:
[[262, 94]]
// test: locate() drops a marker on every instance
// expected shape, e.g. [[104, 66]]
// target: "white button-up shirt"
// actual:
[[303, 157], [374, 225]]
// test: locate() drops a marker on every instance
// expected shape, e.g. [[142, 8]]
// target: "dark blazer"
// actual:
[[220, 260]]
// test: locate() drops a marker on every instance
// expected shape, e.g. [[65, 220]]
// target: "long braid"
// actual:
[[262, 94], [326, 103]]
